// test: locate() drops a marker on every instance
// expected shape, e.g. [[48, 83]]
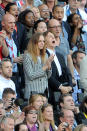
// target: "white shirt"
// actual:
[[5, 83], [84, 18], [56, 61]]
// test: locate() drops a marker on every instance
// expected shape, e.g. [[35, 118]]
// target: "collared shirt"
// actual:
[[63, 48], [56, 61], [75, 88]]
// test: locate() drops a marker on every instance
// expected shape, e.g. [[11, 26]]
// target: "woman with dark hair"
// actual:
[[78, 37], [31, 119], [39, 26], [27, 19], [37, 66]]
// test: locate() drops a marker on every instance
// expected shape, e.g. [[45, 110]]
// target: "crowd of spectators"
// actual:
[[43, 57]]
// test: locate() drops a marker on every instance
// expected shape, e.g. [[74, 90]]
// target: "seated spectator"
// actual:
[[60, 80], [81, 127], [12, 105], [68, 117], [36, 101], [44, 12], [40, 26], [36, 12], [44, 98], [21, 127], [83, 110], [77, 57], [31, 119], [66, 102], [7, 123], [37, 66], [8, 96], [78, 37], [5, 76], [46, 117]]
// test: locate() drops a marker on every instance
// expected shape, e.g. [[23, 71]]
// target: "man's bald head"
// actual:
[[7, 16], [8, 23], [52, 22], [55, 27]]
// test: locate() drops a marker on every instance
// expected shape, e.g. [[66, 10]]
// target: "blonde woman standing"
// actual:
[[37, 66]]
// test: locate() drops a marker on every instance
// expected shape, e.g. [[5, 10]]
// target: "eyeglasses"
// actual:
[[32, 112], [45, 10], [59, 26]]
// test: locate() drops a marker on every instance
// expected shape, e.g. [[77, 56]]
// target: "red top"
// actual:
[[2, 6]]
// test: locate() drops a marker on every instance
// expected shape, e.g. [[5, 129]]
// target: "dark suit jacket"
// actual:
[[19, 37], [55, 80]]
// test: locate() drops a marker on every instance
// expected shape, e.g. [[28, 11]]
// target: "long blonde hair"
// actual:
[[32, 48], [41, 117]]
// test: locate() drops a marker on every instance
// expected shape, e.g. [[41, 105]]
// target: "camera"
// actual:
[[17, 102], [66, 124]]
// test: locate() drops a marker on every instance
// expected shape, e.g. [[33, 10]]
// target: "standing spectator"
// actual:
[[5, 77], [40, 26], [36, 12], [36, 66], [8, 25], [44, 12], [2, 7], [71, 8], [50, 4], [4, 52], [58, 14], [78, 37], [27, 19], [83, 74], [77, 56], [60, 80], [83, 14], [62, 45]]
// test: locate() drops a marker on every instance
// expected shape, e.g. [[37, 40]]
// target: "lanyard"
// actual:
[[11, 47]]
